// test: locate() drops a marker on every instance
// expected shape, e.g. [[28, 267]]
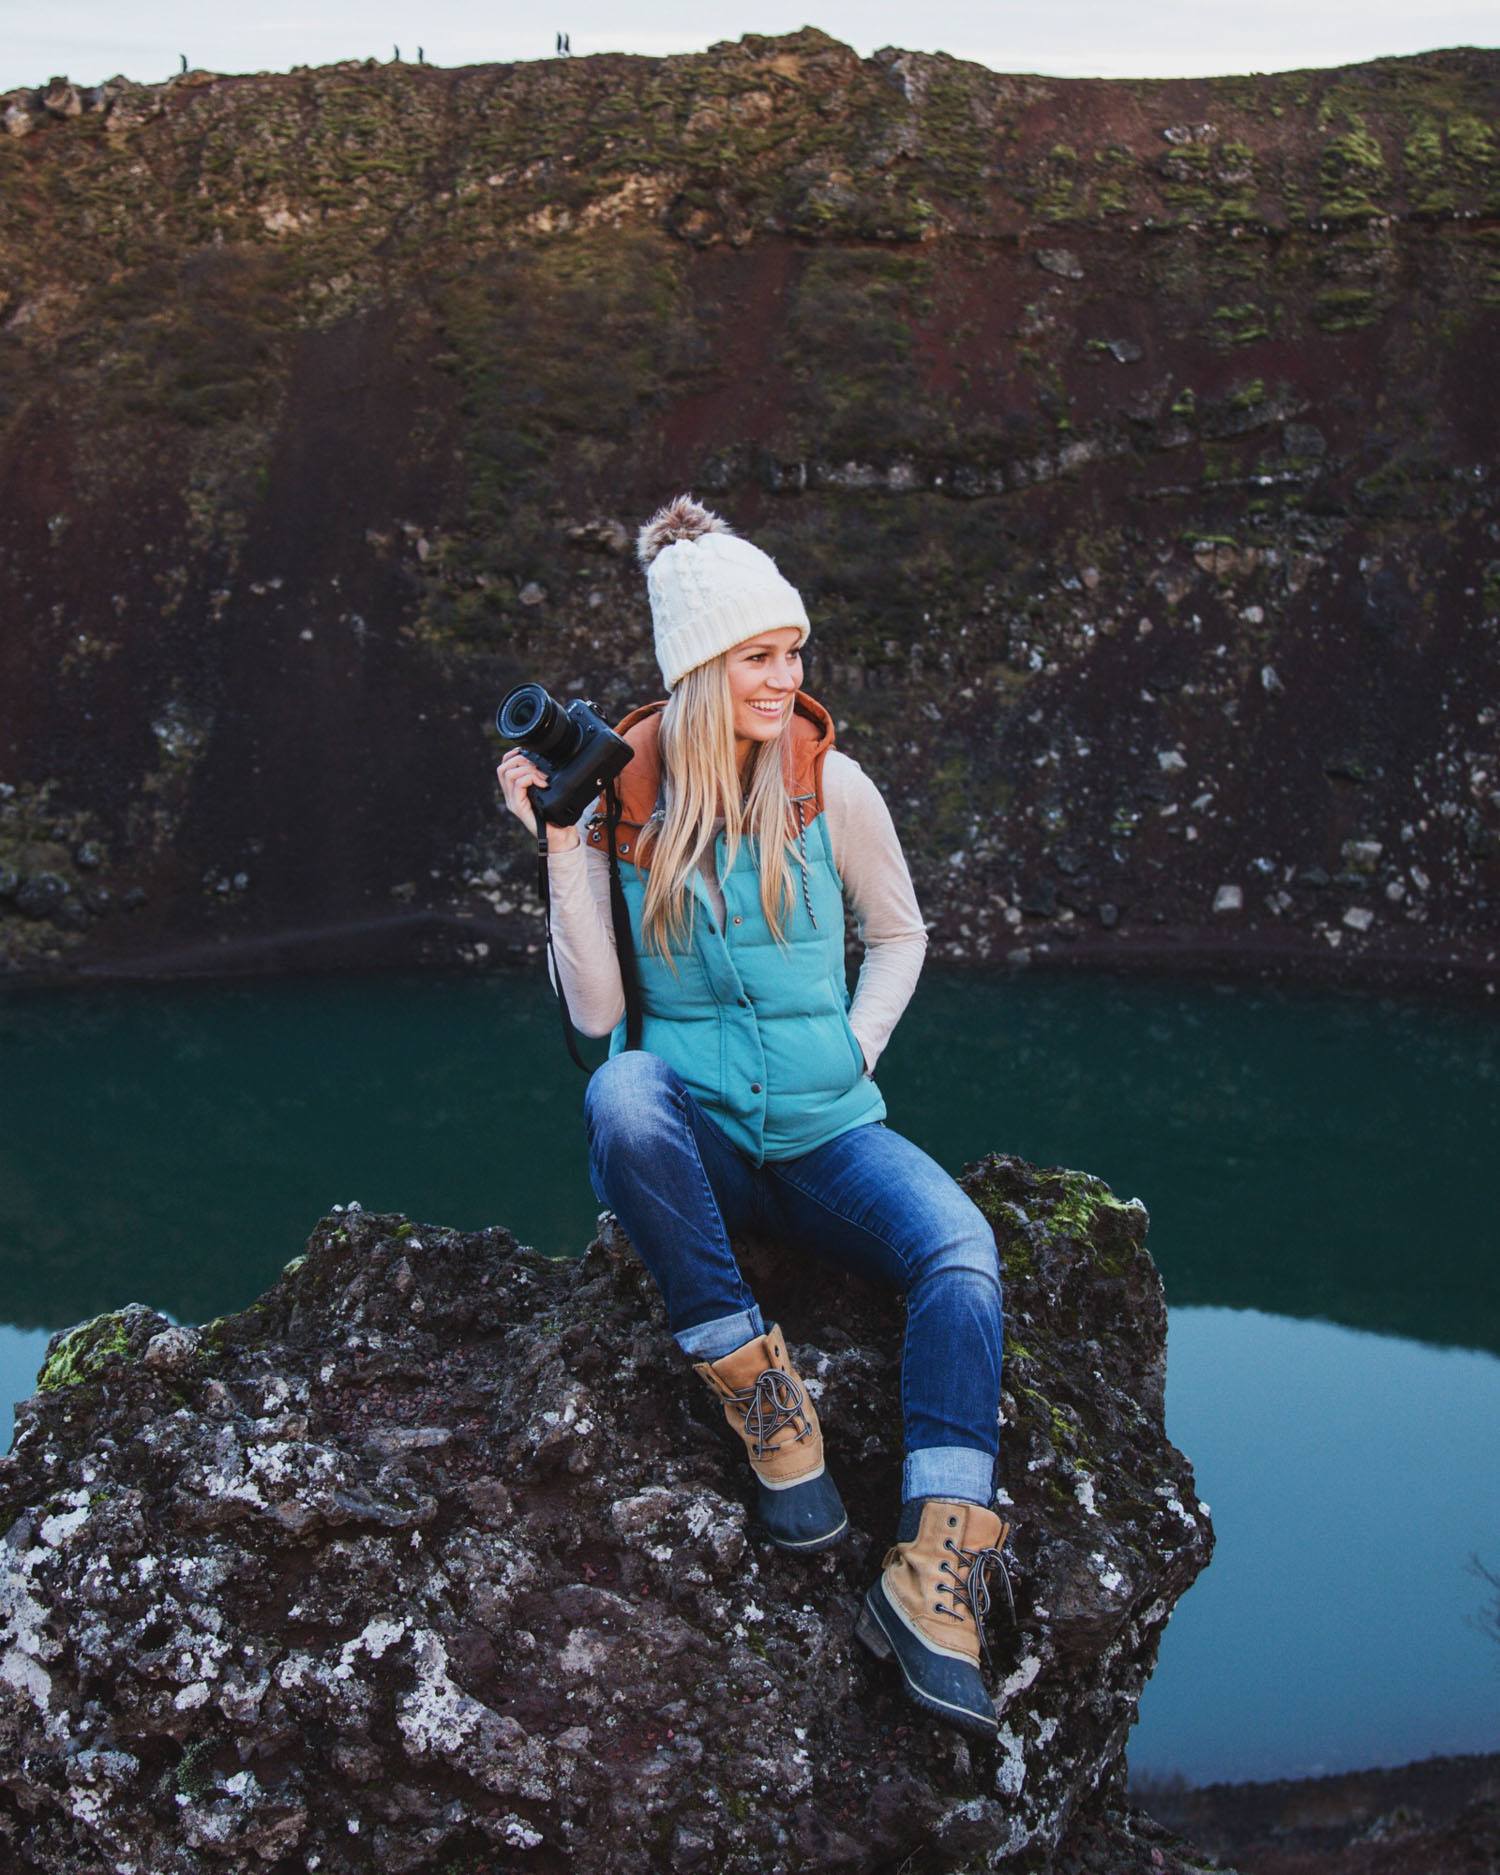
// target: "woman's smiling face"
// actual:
[[765, 673]]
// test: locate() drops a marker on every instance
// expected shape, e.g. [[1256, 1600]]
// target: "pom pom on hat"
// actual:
[[714, 592], [680, 519]]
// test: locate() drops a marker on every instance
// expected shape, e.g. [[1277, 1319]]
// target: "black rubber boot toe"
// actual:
[[949, 1688], [808, 1515]]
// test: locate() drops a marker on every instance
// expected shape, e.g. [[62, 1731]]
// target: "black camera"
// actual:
[[573, 746]]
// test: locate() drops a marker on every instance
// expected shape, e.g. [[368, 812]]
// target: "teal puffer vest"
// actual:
[[759, 1032]]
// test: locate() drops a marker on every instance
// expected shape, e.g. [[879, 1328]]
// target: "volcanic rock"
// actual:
[[437, 1556]]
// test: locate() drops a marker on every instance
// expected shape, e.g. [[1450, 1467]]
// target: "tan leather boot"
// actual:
[[767, 1404], [926, 1610]]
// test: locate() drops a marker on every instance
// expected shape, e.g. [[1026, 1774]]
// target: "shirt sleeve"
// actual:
[[877, 881], [583, 936]]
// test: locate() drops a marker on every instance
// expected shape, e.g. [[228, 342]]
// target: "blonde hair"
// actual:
[[702, 780]]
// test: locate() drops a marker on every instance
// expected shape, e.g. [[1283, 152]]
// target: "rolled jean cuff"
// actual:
[[711, 1341], [955, 1471]]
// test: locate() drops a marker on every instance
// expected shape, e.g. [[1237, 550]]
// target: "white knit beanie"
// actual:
[[709, 588]]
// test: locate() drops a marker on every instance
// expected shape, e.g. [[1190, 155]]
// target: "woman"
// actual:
[[750, 1104]]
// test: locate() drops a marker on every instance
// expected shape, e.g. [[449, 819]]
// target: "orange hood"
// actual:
[[640, 783]]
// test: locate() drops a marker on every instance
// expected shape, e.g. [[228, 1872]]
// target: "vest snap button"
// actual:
[[738, 919], [755, 1087]]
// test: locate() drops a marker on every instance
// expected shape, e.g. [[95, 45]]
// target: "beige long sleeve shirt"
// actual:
[[877, 884]]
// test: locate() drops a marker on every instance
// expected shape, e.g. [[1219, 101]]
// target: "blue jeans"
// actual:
[[869, 1201]]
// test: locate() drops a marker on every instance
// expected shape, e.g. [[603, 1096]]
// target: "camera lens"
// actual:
[[533, 716]]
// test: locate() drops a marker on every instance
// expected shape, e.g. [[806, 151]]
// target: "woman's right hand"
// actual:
[[516, 773]]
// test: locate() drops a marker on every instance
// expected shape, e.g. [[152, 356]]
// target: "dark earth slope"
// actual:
[[1133, 444]]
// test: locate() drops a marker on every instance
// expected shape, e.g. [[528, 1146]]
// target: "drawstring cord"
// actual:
[[797, 801]]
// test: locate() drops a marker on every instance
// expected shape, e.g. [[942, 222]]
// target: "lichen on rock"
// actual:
[[438, 1552]]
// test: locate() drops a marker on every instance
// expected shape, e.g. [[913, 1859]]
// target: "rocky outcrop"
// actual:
[[436, 1556], [1130, 441], [120, 102], [1440, 1816]]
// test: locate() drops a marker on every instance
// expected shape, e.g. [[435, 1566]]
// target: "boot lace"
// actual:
[[771, 1403], [971, 1586]]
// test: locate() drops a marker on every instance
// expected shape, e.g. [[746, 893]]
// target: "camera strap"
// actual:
[[624, 945], [619, 917]]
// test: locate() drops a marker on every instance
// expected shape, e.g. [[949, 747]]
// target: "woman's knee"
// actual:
[[627, 1092], [962, 1248]]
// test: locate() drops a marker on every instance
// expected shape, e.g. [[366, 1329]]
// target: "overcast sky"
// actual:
[[92, 39]]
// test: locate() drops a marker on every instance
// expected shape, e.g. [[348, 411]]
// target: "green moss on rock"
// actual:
[[1352, 174], [84, 1352]]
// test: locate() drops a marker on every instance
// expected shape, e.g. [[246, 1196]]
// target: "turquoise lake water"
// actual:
[[1317, 1167]]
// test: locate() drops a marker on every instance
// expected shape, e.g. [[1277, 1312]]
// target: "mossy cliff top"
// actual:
[[793, 134], [438, 1552]]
